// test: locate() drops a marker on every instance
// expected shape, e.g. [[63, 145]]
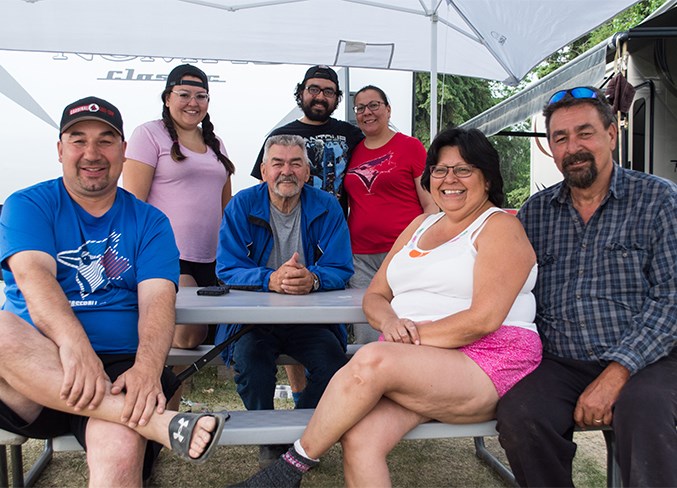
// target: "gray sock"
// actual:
[[286, 472]]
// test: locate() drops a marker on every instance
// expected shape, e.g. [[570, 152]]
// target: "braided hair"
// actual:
[[207, 134]]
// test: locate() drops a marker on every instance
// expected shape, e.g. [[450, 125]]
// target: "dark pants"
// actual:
[[316, 347], [536, 426]]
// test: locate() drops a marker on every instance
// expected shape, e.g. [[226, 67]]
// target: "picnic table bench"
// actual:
[[284, 427], [273, 426]]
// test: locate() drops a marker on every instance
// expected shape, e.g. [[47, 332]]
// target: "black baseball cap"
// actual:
[[174, 77], [91, 108], [321, 71]]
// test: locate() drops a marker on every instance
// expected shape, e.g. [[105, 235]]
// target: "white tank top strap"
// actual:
[[427, 222], [476, 227]]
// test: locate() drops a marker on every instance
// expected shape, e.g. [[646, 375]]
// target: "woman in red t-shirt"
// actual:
[[383, 184]]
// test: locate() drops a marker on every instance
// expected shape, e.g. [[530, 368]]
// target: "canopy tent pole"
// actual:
[[433, 72]]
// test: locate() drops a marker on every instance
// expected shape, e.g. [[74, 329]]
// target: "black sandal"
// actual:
[[181, 432]]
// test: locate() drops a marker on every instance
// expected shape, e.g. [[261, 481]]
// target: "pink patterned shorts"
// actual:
[[506, 355]]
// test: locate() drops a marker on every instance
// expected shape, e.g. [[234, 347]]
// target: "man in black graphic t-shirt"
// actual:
[[329, 141]]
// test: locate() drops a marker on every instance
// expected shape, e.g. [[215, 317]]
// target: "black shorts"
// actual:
[[203, 273], [51, 423]]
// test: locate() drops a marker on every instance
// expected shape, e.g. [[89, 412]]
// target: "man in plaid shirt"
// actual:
[[606, 308]]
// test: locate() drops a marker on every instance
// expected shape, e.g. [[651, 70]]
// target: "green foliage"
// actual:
[[517, 197], [515, 166], [458, 99]]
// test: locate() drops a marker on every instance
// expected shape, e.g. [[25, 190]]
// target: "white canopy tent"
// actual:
[[497, 40], [587, 69]]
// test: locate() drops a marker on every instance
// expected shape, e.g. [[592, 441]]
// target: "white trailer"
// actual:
[[248, 101]]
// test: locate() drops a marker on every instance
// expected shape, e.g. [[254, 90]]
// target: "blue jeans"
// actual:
[[314, 346]]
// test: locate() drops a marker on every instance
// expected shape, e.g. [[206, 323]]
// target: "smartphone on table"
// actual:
[[213, 291]]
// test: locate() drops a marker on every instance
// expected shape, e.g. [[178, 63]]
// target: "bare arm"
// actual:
[[157, 300], [84, 380], [137, 178], [502, 236], [227, 193], [425, 198]]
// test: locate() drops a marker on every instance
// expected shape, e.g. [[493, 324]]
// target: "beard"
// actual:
[[289, 192], [317, 110], [89, 184], [581, 177]]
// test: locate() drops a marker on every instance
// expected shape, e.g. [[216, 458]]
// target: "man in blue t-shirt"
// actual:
[[91, 275]]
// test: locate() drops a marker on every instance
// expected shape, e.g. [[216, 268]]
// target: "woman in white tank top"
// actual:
[[453, 303]]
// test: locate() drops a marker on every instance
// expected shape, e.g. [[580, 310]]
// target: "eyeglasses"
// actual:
[[185, 96], [461, 170], [372, 106], [578, 92], [315, 90]]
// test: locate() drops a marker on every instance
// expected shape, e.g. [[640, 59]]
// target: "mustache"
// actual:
[[320, 102], [287, 179], [576, 158]]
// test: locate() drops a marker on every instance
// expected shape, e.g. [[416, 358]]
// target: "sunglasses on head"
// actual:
[[578, 92]]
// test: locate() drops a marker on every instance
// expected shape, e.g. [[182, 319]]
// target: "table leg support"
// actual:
[[501, 469]]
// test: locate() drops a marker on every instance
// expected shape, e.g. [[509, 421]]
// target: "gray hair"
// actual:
[[287, 140]]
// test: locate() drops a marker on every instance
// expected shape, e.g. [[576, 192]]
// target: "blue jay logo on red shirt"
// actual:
[[369, 171]]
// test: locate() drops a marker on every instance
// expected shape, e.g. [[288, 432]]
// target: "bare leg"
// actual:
[[366, 445], [186, 336], [437, 383], [297, 377], [115, 455], [191, 335], [31, 376], [383, 392]]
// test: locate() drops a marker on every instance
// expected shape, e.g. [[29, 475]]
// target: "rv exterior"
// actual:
[[647, 142], [248, 101]]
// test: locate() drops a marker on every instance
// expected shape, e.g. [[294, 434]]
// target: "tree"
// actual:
[[515, 166], [461, 98]]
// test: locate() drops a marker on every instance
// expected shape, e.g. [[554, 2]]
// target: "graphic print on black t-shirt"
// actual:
[[328, 154], [328, 145]]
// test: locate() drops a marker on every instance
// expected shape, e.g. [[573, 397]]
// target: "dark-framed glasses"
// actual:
[[315, 90], [372, 106], [460, 170], [578, 92], [185, 96]]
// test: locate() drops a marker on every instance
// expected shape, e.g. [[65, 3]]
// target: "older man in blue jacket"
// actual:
[[284, 236]]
